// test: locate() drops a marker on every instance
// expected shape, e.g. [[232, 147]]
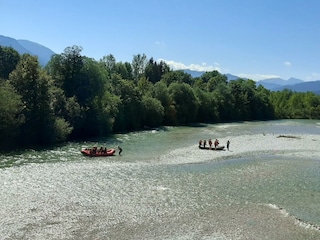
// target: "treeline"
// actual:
[[76, 97]]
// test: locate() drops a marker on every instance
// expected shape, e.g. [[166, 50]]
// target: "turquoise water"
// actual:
[[164, 187]]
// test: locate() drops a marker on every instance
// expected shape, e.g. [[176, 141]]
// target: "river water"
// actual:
[[267, 186]]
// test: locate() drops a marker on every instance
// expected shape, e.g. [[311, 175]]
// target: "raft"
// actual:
[[212, 148], [91, 153]]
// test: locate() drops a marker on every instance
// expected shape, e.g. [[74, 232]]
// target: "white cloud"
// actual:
[[256, 76], [207, 68], [160, 43], [195, 67], [288, 64], [313, 77]]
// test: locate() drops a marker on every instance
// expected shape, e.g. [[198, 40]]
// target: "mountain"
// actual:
[[277, 83], [280, 81], [294, 84], [24, 46], [11, 42], [274, 84], [193, 73], [313, 86], [44, 54], [231, 77]]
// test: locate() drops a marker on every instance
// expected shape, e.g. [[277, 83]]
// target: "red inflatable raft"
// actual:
[[97, 153]]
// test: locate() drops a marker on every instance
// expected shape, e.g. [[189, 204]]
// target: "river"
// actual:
[[267, 186]]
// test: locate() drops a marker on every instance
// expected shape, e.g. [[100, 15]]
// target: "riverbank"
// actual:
[[251, 145]]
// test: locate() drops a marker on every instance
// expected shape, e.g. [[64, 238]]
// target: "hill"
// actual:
[[24, 46], [274, 84], [313, 86], [195, 74], [280, 82]]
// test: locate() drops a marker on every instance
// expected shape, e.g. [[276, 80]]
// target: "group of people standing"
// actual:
[[101, 150], [203, 143]]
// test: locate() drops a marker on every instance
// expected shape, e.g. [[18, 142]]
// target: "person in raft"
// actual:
[[216, 143], [200, 143], [210, 143], [204, 143]]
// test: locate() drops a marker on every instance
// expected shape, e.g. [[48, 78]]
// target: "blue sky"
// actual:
[[256, 39]]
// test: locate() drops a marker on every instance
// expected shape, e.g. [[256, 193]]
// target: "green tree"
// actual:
[[109, 111], [213, 82], [243, 91], [279, 101], [184, 101], [160, 91], [224, 100], [262, 108], [144, 86], [154, 71], [66, 70], [138, 66], [208, 109], [124, 70], [109, 62], [176, 77], [62, 130], [11, 117], [9, 59], [83, 81], [129, 116], [213, 74], [153, 112], [33, 85], [312, 103]]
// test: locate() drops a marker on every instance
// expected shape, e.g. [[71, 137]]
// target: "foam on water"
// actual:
[[298, 221]]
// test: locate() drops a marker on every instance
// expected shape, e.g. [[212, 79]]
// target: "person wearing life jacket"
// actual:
[[120, 150], [228, 144], [216, 143]]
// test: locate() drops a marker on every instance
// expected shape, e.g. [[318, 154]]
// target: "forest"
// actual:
[[76, 97]]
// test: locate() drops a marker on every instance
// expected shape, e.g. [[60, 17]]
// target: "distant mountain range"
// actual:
[[24, 46], [274, 84]]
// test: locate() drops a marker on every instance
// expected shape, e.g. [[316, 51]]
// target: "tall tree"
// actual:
[[9, 59], [184, 101], [176, 77], [66, 69], [72, 63], [130, 108], [109, 62], [213, 82], [208, 108], [160, 91], [153, 112], [138, 65], [11, 116], [33, 85], [208, 75], [124, 70], [242, 96], [154, 71]]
